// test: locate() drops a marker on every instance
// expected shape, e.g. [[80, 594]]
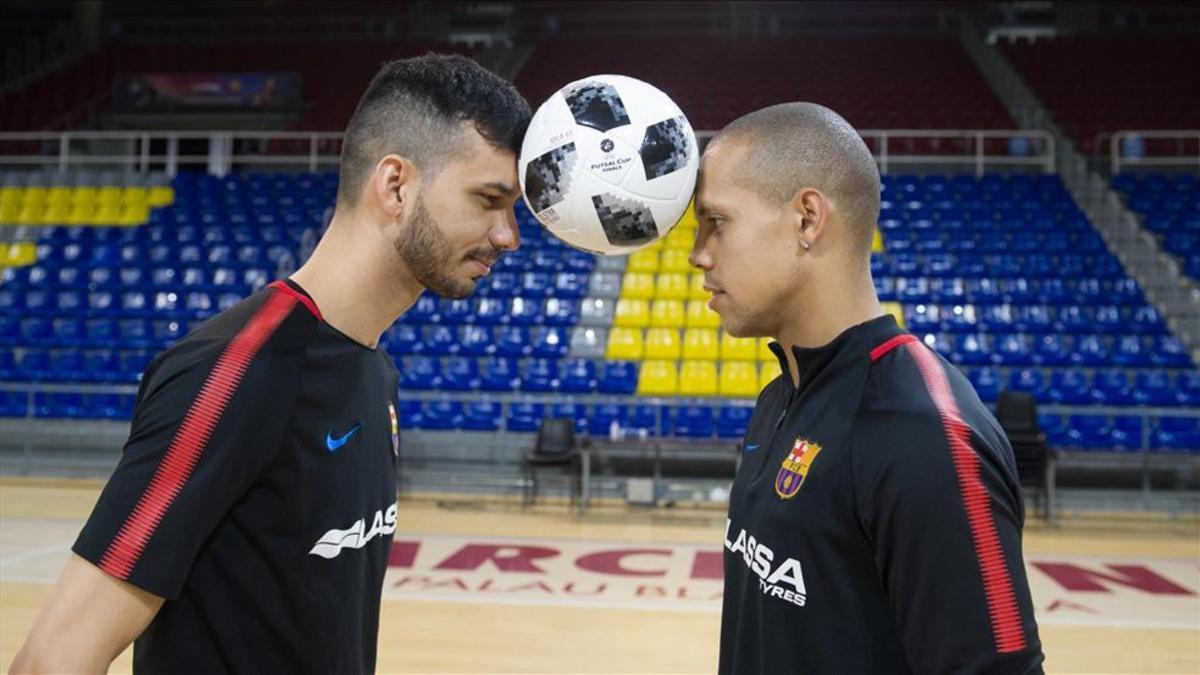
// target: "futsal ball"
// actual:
[[608, 164]]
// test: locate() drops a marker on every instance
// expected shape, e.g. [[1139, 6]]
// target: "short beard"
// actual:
[[428, 255]]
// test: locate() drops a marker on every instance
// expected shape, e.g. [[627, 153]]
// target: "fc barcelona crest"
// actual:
[[795, 467]]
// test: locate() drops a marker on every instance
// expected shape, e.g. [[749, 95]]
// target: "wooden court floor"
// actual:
[[484, 587]]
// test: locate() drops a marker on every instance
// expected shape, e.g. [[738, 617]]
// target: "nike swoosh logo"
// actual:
[[334, 443], [752, 447]]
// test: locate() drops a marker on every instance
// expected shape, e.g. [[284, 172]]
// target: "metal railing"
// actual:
[[1122, 143], [143, 151]]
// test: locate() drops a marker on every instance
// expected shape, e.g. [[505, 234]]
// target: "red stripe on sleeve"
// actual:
[[192, 436], [888, 346], [283, 287], [1007, 629]]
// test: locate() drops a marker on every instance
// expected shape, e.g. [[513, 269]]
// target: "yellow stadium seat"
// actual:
[[134, 195], [696, 288], [108, 213], [764, 350], [162, 195], [700, 316], [642, 261], [9, 213], [134, 214], [631, 313], [84, 194], [896, 310], [877, 242], [56, 212], [31, 213], [34, 195], [109, 195], [739, 378], [11, 195], [738, 349], [671, 287], [767, 372], [658, 378], [82, 213], [637, 286], [18, 254], [662, 343], [701, 343], [680, 239], [698, 378], [59, 194], [667, 314], [624, 344], [675, 261]]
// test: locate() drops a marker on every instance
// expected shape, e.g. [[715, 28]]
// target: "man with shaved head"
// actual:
[[875, 520]]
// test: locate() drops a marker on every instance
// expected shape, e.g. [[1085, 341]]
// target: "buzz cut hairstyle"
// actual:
[[416, 107], [791, 146]]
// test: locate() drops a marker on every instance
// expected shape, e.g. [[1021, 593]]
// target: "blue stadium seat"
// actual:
[[441, 416], [403, 339], [460, 374], [1029, 380], [541, 375], [647, 418], [618, 377], [1129, 352], [550, 342], [1090, 351], [1169, 352], [1090, 432], [578, 376], [1055, 429], [1051, 350], [525, 311], [1155, 388], [524, 416], [491, 311], [732, 421], [410, 413], [1111, 387], [1176, 434], [475, 340], [986, 382], [66, 365], [693, 422], [513, 341], [10, 331], [421, 373], [58, 405], [1070, 387], [499, 374], [457, 311], [33, 366], [602, 416], [1012, 350], [572, 411], [423, 311], [131, 363], [972, 350], [440, 340], [481, 416], [561, 312], [1127, 432]]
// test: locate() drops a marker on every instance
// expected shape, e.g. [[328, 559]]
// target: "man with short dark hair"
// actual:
[[248, 525], [875, 521]]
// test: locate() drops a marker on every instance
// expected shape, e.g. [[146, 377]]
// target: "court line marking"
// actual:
[[37, 552]]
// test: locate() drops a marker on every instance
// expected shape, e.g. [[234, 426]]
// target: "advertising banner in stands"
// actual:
[[155, 92]]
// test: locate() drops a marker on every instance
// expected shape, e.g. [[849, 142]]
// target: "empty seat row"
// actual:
[[1121, 433], [1089, 351], [724, 422], [1105, 386], [1035, 318]]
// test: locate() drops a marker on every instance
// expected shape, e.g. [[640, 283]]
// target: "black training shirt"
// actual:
[[257, 495], [875, 521]]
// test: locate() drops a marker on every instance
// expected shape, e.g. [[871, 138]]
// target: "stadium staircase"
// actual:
[[1160, 274]]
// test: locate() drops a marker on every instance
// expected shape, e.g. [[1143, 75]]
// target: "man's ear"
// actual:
[[393, 185], [811, 211]]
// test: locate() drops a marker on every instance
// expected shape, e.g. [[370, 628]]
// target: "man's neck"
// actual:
[[360, 287], [829, 307]]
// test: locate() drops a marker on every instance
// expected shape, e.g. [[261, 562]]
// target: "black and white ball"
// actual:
[[609, 164]]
